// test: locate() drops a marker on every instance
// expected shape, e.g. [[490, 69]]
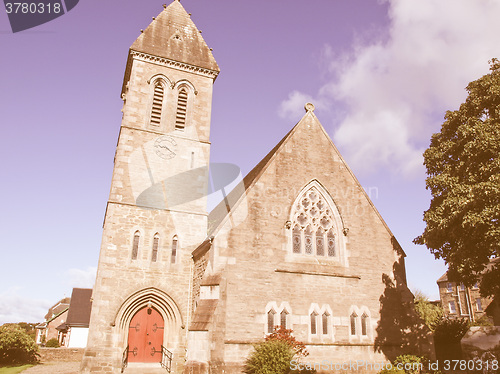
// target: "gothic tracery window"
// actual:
[[314, 230]]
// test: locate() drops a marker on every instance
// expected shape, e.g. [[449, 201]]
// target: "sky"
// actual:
[[381, 74]]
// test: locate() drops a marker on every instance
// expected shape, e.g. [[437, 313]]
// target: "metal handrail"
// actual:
[[166, 359], [124, 359]]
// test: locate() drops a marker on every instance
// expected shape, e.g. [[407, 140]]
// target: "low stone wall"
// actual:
[[482, 342], [61, 354]]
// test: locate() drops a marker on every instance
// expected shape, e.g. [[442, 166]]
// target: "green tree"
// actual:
[[429, 313], [463, 168], [16, 347]]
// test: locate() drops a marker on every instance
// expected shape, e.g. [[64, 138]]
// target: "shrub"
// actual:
[[16, 347], [52, 343], [270, 357], [285, 335]]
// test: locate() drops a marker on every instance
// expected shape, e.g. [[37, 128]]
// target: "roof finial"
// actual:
[[309, 107], [164, 6]]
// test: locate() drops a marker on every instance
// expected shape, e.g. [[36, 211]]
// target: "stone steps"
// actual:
[[144, 368]]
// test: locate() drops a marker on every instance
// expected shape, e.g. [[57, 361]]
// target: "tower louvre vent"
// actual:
[[180, 117], [157, 104]]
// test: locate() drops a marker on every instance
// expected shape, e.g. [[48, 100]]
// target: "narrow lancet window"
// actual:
[[135, 245], [353, 323], [364, 322], [154, 255], [313, 323], [180, 117], [283, 317], [325, 323], [270, 321], [174, 249], [157, 106]]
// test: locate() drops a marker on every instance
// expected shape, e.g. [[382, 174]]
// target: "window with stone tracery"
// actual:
[[313, 225]]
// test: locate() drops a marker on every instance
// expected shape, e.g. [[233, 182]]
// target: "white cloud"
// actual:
[[396, 91], [81, 278], [16, 308]]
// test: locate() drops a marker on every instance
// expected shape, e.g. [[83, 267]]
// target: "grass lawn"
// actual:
[[14, 369]]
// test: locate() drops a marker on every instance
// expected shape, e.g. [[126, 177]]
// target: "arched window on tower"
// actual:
[[135, 245], [175, 243], [180, 116], [154, 255], [270, 321], [157, 107]]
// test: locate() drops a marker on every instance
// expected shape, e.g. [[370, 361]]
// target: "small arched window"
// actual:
[[175, 243], [135, 245], [270, 321], [154, 255], [314, 316], [283, 318], [180, 116], [354, 317], [364, 324], [324, 323], [156, 108]]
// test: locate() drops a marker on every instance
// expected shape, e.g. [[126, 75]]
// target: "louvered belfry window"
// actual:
[[180, 117], [156, 109]]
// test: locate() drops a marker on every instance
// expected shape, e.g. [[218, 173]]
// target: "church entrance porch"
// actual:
[[145, 338]]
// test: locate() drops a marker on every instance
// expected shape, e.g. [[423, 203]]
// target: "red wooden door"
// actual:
[[145, 336]]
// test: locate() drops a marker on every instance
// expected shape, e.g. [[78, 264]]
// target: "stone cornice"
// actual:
[[174, 64]]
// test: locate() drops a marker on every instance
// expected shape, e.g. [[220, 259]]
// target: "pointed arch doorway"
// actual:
[[145, 336]]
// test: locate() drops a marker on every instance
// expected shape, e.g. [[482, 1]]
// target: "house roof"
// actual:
[[493, 261], [80, 307], [58, 308]]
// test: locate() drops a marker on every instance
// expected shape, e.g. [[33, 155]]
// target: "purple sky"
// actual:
[[381, 74]]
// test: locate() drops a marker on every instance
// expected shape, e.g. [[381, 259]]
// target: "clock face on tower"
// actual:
[[165, 147]]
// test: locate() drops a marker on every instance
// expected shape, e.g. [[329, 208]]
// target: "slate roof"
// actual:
[[203, 315], [174, 35], [79, 309], [57, 308]]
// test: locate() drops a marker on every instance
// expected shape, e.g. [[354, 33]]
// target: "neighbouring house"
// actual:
[[459, 301], [56, 315], [75, 330]]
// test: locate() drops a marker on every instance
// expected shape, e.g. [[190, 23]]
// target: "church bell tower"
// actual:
[[156, 212]]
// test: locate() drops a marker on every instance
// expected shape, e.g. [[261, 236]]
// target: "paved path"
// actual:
[[54, 368]]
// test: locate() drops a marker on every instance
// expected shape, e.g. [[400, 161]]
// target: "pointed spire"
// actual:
[[174, 35]]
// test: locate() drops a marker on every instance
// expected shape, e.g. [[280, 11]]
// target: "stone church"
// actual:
[[297, 243]]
